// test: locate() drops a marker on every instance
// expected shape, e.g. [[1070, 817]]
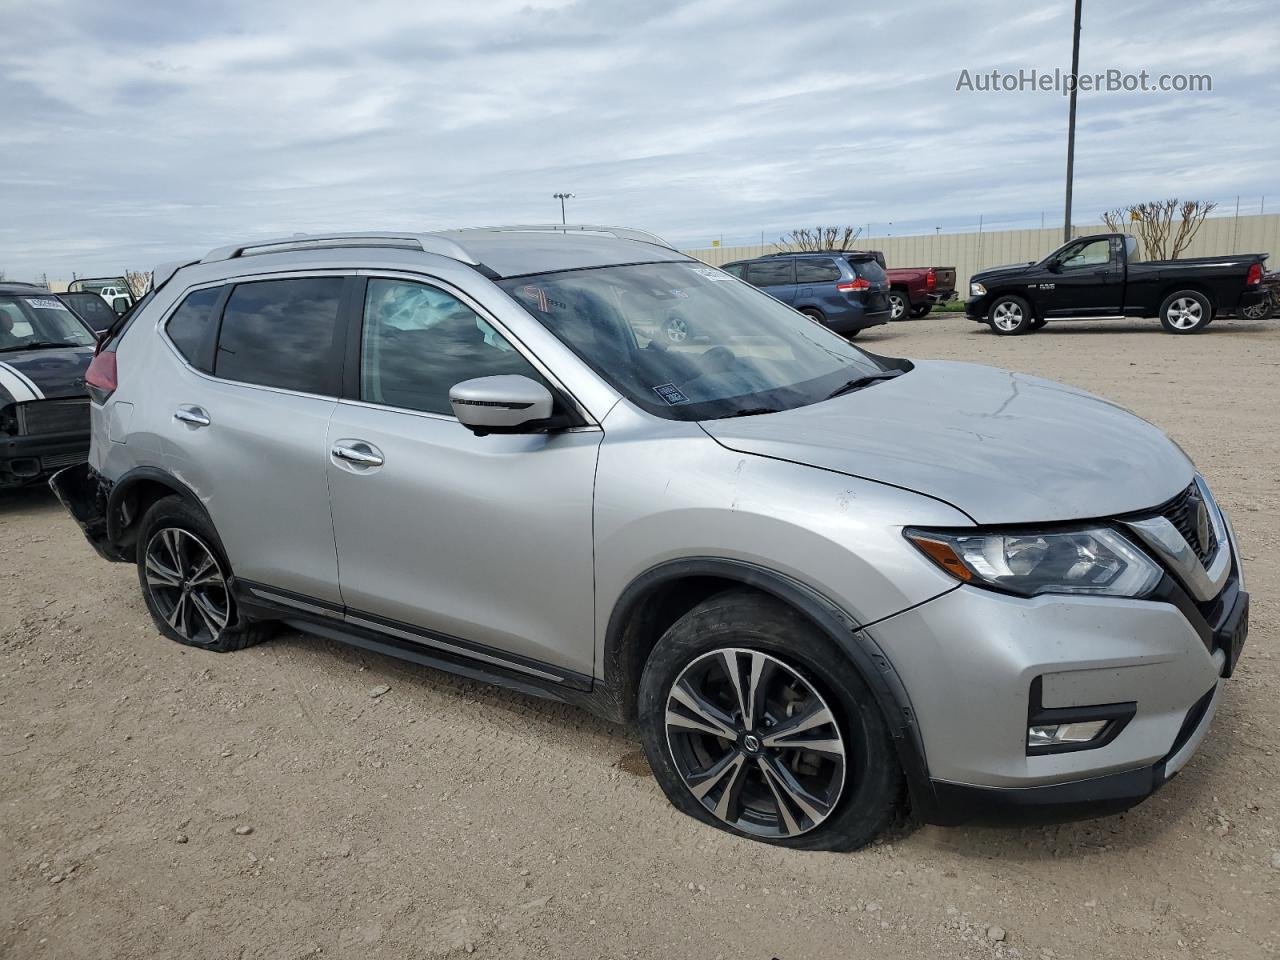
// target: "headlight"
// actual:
[[977, 290], [1098, 562]]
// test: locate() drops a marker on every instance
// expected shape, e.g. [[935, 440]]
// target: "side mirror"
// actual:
[[506, 404], [1054, 266]]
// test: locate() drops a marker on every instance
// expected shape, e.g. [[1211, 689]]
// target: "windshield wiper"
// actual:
[[40, 344], [859, 382], [749, 412]]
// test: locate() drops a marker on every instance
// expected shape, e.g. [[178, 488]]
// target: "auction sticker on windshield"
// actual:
[[671, 393], [45, 303]]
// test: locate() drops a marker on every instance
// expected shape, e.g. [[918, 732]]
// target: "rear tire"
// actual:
[[813, 313], [899, 305], [921, 311], [1186, 311], [185, 580], [710, 749], [1010, 316]]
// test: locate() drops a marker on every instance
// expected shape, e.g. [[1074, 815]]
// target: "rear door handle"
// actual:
[[194, 416], [358, 452]]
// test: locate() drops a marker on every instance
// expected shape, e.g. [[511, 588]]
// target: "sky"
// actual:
[[134, 133]]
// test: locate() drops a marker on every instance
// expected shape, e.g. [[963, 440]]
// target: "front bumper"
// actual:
[[975, 308], [24, 459], [969, 659]]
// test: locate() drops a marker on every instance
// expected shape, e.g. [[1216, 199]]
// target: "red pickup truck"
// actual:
[[914, 290]]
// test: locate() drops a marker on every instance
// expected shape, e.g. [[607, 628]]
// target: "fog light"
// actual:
[[1060, 734]]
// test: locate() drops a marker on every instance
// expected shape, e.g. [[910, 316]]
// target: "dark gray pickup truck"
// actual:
[[1098, 277]]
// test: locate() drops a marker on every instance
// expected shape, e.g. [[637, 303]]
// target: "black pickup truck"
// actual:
[[1098, 277]]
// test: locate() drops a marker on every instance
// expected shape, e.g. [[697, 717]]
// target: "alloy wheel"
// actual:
[[1185, 313], [677, 330], [897, 306], [755, 743], [1007, 316], [187, 585]]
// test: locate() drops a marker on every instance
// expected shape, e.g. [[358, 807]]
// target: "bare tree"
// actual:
[[139, 282], [820, 238], [1161, 238]]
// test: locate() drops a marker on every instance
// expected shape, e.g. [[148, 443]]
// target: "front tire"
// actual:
[[754, 722], [185, 580], [1185, 311], [1010, 316]]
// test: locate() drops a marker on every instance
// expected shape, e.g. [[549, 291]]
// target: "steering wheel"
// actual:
[[718, 359]]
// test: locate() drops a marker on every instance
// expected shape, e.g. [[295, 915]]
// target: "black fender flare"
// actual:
[[886, 686]]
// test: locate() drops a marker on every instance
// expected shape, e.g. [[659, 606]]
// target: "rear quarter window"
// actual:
[[191, 328], [283, 333]]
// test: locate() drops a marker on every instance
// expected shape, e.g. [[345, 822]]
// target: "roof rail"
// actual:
[[446, 243], [622, 233], [426, 242]]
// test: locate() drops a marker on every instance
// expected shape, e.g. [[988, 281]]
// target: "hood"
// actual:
[[50, 373], [996, 273], [1003, 447]]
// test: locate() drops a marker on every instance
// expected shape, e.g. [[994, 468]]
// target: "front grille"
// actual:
[[53, 416], [1182, 512], [59, 460]]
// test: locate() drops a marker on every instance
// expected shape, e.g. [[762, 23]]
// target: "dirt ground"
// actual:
[[163, 802]]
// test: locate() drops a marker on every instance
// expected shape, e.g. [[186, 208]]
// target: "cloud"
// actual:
[[130, 138]]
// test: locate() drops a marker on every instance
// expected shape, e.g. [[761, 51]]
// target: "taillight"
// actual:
[[862, 283], [930, 280], [100, 378], [1254, 276]]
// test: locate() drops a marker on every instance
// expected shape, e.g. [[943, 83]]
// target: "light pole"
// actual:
[[1071, 121], [562, 197]]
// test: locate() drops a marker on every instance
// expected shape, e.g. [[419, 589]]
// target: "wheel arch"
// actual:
[[133, 494], [1168, 290], [655, 599]]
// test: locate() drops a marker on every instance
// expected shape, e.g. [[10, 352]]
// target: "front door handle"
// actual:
[[194, 416], [357, 452]]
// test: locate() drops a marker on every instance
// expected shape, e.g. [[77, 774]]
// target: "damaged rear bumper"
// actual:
[[84, 492]]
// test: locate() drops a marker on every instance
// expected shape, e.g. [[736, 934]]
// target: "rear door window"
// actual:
[[816, 270], [735, 269], [771, 273], [192, 327], [283, 333]]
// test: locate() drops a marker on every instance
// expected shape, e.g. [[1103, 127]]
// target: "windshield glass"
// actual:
[[31, 321], [685, 341]]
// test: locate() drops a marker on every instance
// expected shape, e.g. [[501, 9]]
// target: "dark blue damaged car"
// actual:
[[44, 406]]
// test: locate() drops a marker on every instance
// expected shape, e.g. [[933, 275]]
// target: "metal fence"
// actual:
[[971, 252]]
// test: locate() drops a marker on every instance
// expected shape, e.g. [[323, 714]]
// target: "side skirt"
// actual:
[[415, 645]]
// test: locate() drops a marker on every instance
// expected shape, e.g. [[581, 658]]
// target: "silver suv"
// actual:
[[821, 581]]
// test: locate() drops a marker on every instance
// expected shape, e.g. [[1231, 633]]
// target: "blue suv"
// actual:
[[845, 290]]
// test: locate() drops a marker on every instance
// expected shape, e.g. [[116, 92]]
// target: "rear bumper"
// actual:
[[941, 296], [851, 322], [84, 493], [23, 459]]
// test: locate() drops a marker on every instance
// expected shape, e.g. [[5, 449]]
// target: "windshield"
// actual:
[[40, 321], [685, 341]]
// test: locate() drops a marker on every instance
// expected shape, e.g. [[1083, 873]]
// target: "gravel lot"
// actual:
[[162, 802]]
